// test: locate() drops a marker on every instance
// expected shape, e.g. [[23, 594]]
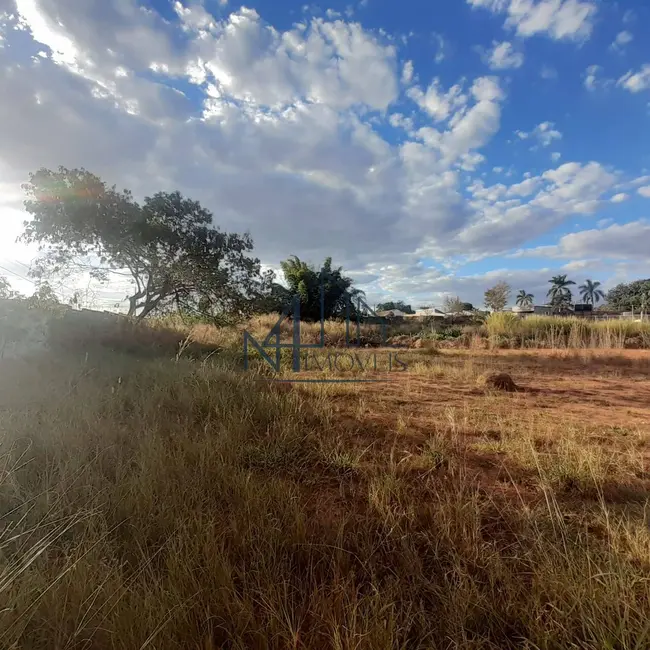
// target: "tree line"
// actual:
[[623, 297], [559, 295], [174, 258]]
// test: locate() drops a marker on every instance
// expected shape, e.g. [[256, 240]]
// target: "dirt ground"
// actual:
[[579, 420]]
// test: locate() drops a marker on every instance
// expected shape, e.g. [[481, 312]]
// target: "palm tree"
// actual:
[[524, 299], [559, 293], [590, 292]]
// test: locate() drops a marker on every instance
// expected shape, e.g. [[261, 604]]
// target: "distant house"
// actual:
[[430, 312], [392, 313], [532, 310], [457, 314]]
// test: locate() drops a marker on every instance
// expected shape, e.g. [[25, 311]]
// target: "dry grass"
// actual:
[[169, 503], [500, 330], [508, 330]]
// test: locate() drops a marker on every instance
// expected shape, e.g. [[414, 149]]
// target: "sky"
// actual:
[[431, 148]]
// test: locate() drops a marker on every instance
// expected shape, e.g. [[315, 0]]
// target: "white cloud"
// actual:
[[441, 48], [621, 40], [437, 103], [545, 134], [567, 190], [620, 197], [636, 81], [555, 156], [496, 6], [525, 188], [336, 63], [627, 240], [407, 73], [504, 56], [558, 19], [644, 191], [591, 77], [470, 161]]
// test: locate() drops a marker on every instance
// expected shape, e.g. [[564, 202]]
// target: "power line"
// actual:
[[31, 281], [18, 275]]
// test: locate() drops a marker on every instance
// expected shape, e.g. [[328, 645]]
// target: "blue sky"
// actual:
[[429, 151]]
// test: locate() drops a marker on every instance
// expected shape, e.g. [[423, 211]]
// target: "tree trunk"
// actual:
[[148, 307], [133, 305]]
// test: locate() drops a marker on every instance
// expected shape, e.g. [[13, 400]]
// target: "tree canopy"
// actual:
[[630, 296], [590, 292], [5, 289], [496, 298], [524, 299], [304, 280], [560, 294], [391, 306], [453, 305], [166, 247]]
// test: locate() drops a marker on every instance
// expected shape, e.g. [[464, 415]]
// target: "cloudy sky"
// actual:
[[426, 150]]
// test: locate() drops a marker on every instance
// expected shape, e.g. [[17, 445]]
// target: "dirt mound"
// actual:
[[499, 381]]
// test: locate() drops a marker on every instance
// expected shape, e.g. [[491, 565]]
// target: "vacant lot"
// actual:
[[152, 503]]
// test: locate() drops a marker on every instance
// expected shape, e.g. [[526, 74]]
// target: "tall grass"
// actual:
[[565, 332], [170, 504]]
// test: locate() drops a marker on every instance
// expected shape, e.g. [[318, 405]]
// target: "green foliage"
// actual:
[[446, 334], [303, 280], [559, 294], [272, 296], [167, 246], [44, 298], [497, 297], [524, 299], [399, 305], [590, 292], [631, 296], [6, 292]]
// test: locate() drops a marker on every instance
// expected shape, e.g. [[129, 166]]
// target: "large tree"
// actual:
[[453, 305], [631, 296], [273, 297], [560, 294], [304, 280], [524, 299], [496, 298], [591, 292], [167, 247]]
